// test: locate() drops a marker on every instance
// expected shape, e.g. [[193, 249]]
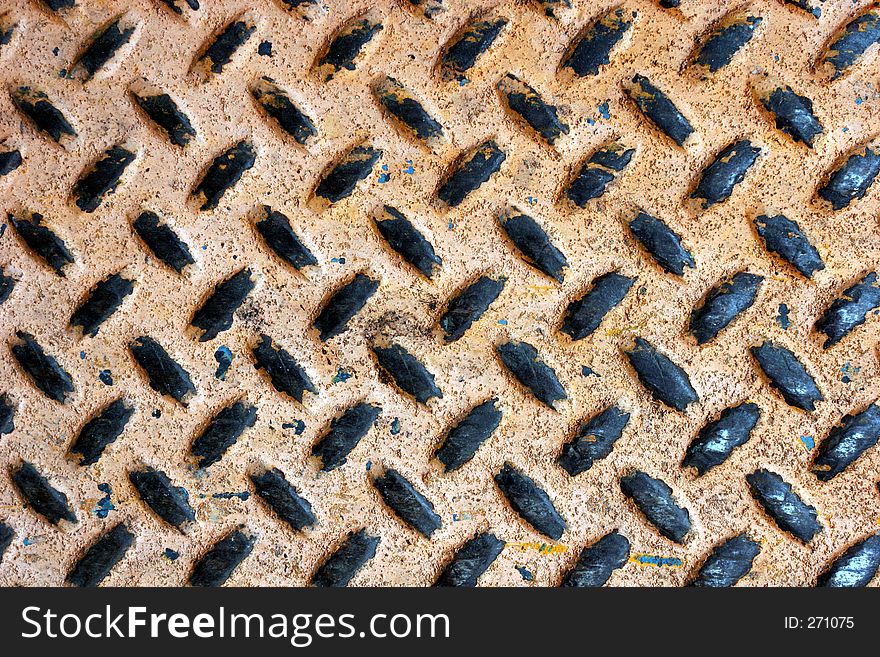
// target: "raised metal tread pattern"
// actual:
[[492, 293]]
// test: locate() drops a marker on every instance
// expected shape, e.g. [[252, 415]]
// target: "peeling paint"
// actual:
[[525, 573], [224, 357], [104, 506], [298, 426], [341, 376], [657, 561]]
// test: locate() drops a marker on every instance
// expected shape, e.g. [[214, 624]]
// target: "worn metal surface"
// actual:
[[164, 53]]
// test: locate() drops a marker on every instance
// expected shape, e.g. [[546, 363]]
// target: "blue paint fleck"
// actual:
[[604, 111], [782, 318], [228, 496], [106, 377], [223, 356], [341, 376], [298, 426], [27, 542], [531, 200], [591, 122], [157, 413], [409, 169], [849, 371], [776, 57], [105, 506], [82, 355], [450, 225], [204, 247], [384, 177], [503, 322], [589, 371], [265, 49], [395, 426], [809, 442], [652, 560], [369, 465], [462, 82], [859, 100], [338, 261], [525, 573], [62, 73], [171, 555], [845, 129]]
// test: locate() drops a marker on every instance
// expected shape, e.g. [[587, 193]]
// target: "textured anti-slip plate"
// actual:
[[775, 116]]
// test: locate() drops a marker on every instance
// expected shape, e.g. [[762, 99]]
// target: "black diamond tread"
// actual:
[[515, 293]]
